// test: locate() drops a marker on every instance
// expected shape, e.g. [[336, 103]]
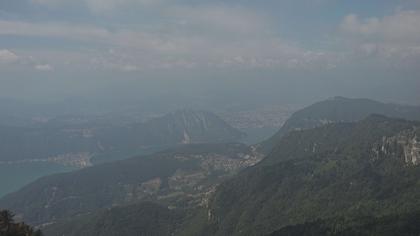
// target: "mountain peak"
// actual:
[[338, 110], [338, 98], [193, 126]]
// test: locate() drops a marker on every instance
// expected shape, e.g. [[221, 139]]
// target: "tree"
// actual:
[[8, 227], [6, 220]]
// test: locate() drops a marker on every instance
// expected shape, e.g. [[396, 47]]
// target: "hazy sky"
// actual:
[[53, 49]]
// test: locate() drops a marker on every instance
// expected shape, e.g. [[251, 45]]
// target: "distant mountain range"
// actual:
[[339, 109], [55, 141], [338, 167], [339, 179]]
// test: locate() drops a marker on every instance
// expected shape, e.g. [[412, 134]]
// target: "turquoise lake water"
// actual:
[[15, 176]]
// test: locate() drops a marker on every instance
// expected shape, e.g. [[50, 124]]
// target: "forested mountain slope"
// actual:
[[351, 170], [338, 109], [340, 179], [179, 177]]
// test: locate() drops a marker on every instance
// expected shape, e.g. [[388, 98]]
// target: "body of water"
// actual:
[[15, 176]]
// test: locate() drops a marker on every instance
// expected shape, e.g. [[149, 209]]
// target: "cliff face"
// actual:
[[405, 145], [411, 146]]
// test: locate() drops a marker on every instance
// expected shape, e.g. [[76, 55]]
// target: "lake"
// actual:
[[15, 176]]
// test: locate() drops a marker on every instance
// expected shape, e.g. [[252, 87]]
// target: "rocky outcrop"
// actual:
[[405, 146]]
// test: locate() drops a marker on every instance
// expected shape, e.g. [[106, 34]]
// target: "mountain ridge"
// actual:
[[364, 174], [180, 127], [351, 169], [299, 185], [339, 109]]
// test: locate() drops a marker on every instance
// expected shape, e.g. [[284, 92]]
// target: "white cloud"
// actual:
[[98, 6], [50, 3], [222, 19], [44, 67], [392, 40], [104, 6], [402, 27], [53, 30], [7, 56], [200, 36]]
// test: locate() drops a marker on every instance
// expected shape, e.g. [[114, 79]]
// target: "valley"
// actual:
[[209, 118], [216, 189]]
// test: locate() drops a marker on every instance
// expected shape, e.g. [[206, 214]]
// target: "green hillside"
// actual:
[[351, 170], [339, 109], [181, 177]]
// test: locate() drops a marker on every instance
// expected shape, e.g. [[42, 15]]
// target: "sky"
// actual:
[[278, 49]]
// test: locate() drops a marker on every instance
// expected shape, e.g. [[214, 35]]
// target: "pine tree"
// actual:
[[8, 227], [6, 220]]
